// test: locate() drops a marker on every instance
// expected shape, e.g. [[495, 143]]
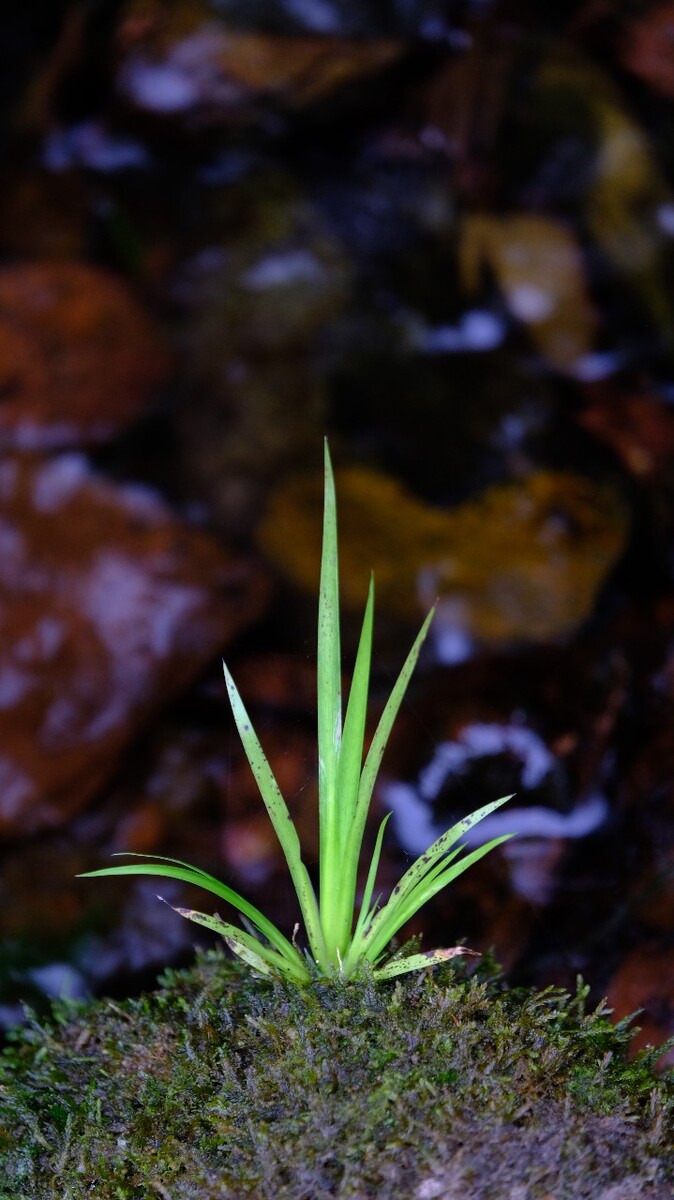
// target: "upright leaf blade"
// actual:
[[353, 738], [378, 745], [365, 910], [345, 870], [329, 686], [329, 670]]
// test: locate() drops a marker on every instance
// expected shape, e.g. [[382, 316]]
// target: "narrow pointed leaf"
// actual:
[[380, 739], [422, 865], [201, 879], [374, 867], [342, 871], [429, 888], [243, 944], [351, 752], [329, 688], [165, 858], [279, 816], [366, 912], [250, 957], [397, 911], [417, 962]]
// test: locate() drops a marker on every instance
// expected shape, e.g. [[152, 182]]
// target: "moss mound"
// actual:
[[437, 1088]]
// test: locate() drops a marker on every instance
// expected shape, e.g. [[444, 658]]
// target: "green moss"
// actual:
[[222, 1086]]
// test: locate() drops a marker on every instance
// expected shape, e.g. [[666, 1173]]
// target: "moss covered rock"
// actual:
[[219, 1085]]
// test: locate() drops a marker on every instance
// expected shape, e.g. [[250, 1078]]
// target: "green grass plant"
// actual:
[[340, 943]]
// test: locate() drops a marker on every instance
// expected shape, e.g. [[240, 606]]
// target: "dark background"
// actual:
[[441, 234]]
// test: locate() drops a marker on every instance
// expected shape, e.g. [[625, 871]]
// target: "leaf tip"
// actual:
[[451, 952]]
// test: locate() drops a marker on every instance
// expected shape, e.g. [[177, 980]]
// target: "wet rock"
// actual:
[[44, 216], [94, 145], [442, 447], [260, 304], [109, 606], [537, 725], [186, 63], [520, 561], [143, 939], [647, 48], [186, 791], [79, 358], [275, 280], [625, 187], [538, 126], [166, 798], [250, 848], [638, 426], [420, 18], [646, 787]]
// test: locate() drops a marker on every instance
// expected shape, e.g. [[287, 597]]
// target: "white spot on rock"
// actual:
[[530, 303], [283, 270], [58, 481]]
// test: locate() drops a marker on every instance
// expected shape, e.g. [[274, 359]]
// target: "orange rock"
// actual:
[[109, 606], [79, 358]]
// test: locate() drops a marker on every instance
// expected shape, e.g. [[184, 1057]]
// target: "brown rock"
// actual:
[[79, 359], [647, 48], [44, 214], [180, 61], [638, 427], [645, 980], [109, 606]]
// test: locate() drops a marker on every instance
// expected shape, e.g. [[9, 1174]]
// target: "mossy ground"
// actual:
[[434, 1088]]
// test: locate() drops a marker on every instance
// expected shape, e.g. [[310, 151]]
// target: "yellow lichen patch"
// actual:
[[539, 267], [529, 557], [382, 528], [626, 187], [521, 560]]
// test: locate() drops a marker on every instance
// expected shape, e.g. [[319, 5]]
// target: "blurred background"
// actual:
[[443, 234]]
